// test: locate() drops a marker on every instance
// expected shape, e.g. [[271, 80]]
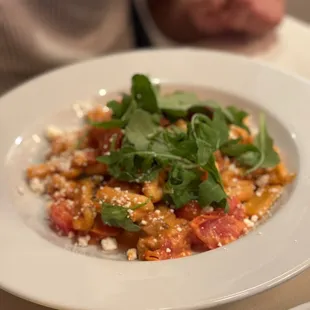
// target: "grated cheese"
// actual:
[[274, 190], [83, 241], [53, 132], [248, 223], [62, 162], [37, 185], [109, 244], [208, 209], [132, 254], [259, 193], [254, 218], [82, 107], [263, 180], [71, 235]]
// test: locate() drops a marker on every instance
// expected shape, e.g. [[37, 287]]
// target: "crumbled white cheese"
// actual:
[[263, 180], [132, 254], [143, 222], [83, 241], [36, 138], [274, 190], [168, 250], [53, 132], [219, 244], [109, 244], [233, 168], [62, 162], [254, 218], [105, 109], [248, 223], [82, 107], [232, 135], [259, 193], [37, 185], [71, 235], [208, 209]]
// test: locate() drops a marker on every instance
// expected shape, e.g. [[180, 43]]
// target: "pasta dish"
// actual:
[[159, 176]]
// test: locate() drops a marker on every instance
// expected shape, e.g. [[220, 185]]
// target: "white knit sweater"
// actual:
[[37, 35]]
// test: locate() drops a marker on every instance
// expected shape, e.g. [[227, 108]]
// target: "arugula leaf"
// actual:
[[144, 93], [236, 117], [235, 149], [204, 152], [117, 108], [176, 142], [212, 169], [246, 154], [182, 104], [211, 191], [268, 156], [114, 123], [219, 124], [127, 165], [120, 114], [182, 185], [120, 108], [216, 131], [249, 159], [209, 135], [176, 105], [260, 154], [140, 127], [117, 216]]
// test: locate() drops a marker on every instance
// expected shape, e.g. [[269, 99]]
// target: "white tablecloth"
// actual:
[[288, 50]]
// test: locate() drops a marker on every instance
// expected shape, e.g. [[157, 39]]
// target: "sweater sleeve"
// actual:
[[40, 35]]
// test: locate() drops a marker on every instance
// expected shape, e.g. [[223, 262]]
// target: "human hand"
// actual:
[[254, 17]]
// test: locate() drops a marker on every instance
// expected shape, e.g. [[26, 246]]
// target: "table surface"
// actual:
[[287, 50]]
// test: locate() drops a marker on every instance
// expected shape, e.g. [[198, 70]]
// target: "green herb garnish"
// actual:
[[118, 216], [260, 154], [147, 148], [236, 117], [268, 156]]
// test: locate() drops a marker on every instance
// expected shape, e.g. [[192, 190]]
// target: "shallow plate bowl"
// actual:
[[36, 264]]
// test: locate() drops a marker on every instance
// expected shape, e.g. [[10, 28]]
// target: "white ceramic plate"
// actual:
[[302, 307], [34, 263]]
